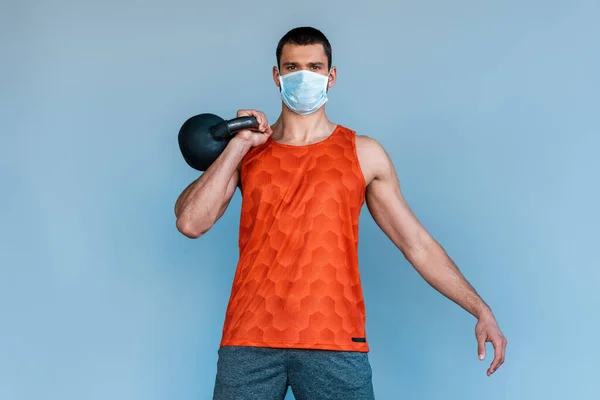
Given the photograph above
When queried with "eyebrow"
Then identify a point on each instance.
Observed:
(316, 63)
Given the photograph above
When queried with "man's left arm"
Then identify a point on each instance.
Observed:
(395, 218)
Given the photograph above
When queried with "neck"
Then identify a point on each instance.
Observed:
(302, 129)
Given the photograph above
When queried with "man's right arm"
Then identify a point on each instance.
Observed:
(205, 200)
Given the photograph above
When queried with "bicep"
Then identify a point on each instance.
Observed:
(391, 212)
(233, 183)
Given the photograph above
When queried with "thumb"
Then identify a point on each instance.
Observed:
(244, 134)
(481, 346)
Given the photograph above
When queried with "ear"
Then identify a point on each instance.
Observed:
(332, 77)
(276, 77)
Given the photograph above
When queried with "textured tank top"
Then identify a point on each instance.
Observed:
(297, 282)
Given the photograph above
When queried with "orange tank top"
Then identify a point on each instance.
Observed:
(297, 282)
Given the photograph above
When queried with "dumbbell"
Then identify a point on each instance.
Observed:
(203, 137)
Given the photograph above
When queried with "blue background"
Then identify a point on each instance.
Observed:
(489, 110)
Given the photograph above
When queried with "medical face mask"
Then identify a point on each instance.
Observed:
(304, 92)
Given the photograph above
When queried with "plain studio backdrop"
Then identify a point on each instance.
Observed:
(489, 110)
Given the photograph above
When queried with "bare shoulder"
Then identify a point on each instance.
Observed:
(374, 160)
(365, 141)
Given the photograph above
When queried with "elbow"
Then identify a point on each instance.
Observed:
(420, 252)
(190, 229)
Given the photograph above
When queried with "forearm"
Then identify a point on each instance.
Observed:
(183, 196)
(198, 207)
(437, 268)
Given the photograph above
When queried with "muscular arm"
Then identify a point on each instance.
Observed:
(395, 218)
(205, 200)
(393, 215)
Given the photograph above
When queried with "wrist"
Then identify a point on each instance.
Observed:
(240, 145)
(483, 312)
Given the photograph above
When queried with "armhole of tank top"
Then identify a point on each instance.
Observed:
(241, 168)
(243, 163)
(357, 160)
(241, 172)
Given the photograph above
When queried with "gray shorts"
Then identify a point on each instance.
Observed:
(249, 373)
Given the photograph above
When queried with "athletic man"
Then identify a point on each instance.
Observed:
(296, 316)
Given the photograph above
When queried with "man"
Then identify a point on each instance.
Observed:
(296, 316)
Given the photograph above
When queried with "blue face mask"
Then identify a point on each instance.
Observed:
(304, 92)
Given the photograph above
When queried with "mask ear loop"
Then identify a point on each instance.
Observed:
(328, 77)
(280, 80)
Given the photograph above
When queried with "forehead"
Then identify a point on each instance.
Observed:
(303, 54)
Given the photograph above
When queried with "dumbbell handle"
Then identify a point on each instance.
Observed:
(226, 129)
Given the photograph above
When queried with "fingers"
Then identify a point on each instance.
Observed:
(499, 344)
(251, 138)
(261, 118)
